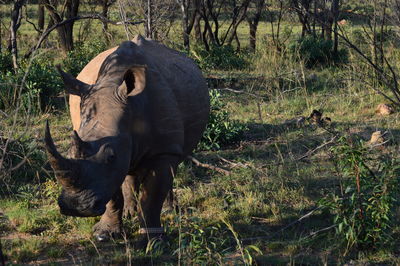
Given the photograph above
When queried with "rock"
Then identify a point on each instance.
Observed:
(342, 22)
(384, 109)
(376, 138)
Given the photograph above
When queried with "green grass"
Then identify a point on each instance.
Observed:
(268, 190)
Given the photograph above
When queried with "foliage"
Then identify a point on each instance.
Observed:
(220, 130)
(5, 63)
(218, 57)
(78, 58)
(204, 244)
(363, 210)
(317, 51)
(22, 161)
(42, 84)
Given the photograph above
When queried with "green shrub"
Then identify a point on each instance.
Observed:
(23, 160)
(42, 84)
(317, 51)
(363, 211)
(78, 58)
(5, 63)
(218, 57)
(220, 130)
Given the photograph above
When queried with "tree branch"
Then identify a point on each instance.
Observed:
(90, 16)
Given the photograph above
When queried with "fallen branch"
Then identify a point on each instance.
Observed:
(250, 239)
(309, 153)
(242, 92)
(209, 166)
(319, 231)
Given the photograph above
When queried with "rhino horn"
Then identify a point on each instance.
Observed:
(65, 169)
(73, 85)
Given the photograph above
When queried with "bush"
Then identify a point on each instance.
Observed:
(364, 210)
(78, 58)
(220, 130)
(5, 63)
(317, 51)
(41, 85)
(22, 161)
(218, 57)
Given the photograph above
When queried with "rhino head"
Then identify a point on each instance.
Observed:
(101, 150)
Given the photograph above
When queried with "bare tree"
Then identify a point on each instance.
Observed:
(41, 16)
(148, 30)
(189, 10)
(16, 16)
(105, 6)
(253, 18)
(65, 32)
(302, 8)
(211, 11)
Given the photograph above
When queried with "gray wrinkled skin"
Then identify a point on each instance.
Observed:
(130, 134)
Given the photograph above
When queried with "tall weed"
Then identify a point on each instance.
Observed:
(363, 209)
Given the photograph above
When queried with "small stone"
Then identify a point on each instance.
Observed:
(384, 109)
(376, 138)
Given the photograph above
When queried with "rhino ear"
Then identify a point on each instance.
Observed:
(72, 85)
(134, 81)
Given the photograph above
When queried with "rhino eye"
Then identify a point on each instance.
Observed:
(108, 154)
(110, 158)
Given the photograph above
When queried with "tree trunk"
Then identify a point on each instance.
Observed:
(335, 11)
(253, 24)
(185, 22)
(148, 29)
(197, 28)
(1, 39)
(253, 32)
(16, 16)
(104, 13)
(65, 32)
(41, 18)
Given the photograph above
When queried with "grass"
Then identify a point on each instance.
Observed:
(260, 198)
(250, 216)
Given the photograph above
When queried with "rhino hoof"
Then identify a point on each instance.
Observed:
(102, 237)
(103, 232)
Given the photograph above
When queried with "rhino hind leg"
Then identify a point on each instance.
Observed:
(110, 223)
(130, 191)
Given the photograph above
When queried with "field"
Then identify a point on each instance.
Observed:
(274, 197)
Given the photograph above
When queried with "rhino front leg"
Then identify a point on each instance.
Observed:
(111, 221)
(155, 187)
(130, 191)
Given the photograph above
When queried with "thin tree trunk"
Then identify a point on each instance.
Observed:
(253, 33)
(197, 28)
(149, 20)
(335, 6)
(104, 13)
(1, 39)
(41, 18)
(185, 22)
(253, 24)
(16, 16)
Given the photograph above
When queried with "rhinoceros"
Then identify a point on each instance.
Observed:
(137, 111)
